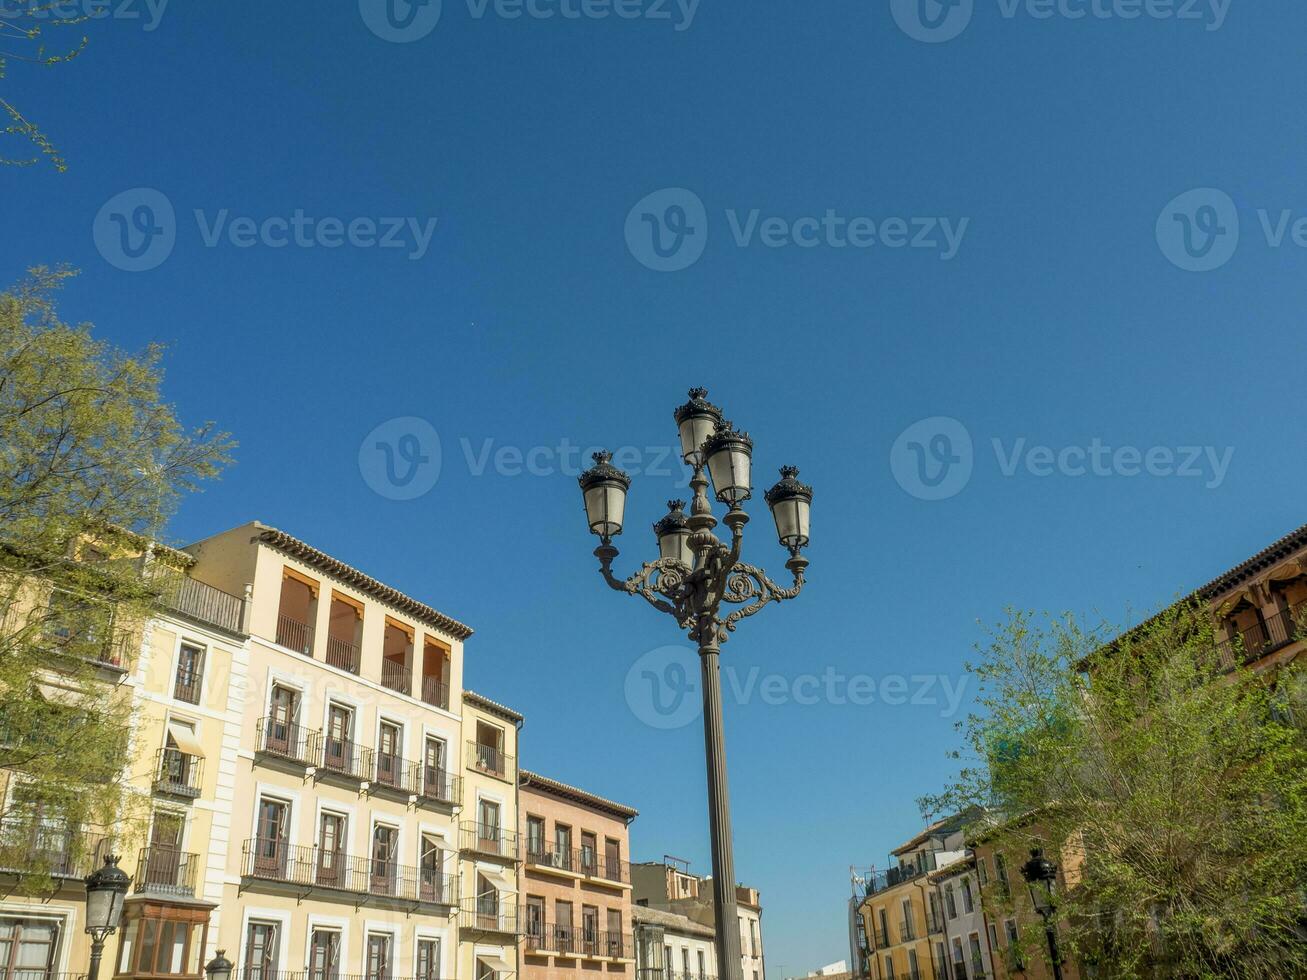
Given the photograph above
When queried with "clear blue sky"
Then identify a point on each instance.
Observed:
(529, 321)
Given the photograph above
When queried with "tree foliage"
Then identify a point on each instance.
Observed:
(1174, 792)
(92, 462)
(26, 27)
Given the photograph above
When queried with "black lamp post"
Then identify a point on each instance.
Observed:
(219, 968)
(1041, 877)
(694, 575)
(106, 888)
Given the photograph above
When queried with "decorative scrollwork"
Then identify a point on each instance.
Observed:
(749, 584)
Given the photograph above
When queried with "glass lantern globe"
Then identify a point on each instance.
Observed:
(791, 505)
(603, 488)
(730, 455)
(673, 534)
(696, 421)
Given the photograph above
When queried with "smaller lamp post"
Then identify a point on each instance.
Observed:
(105, 890)
(219, 968)
(1041, 877)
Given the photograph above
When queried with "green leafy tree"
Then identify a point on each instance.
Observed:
(1175, 794)
(26, 27)
(92, 462)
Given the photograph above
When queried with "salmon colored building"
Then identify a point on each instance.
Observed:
(576, 883)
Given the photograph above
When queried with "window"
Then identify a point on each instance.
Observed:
(179, 763)
(434, 778)
(385, 845)
(281, 736)
(331, 849)
(993, 936)
(261, 951)
(324, 954)
(563, 923)
(967, 905)
(378, 957)
(535, 837)
(913, 970)
(562, 846)
(959, 964)
(1013, 944)
(590, 928)
(168, 943)
(883, 939)
(271, 831)
(753, 937)
(339, 754)
(397, 657)
(488, 826)
(27, 947)
(389, 740)
(668, 961)
(190, 673)
(344, 632)
(982, 869)
(1000, 869)
(428, 959)
(616, 944)
(685, 962)
(889, 968)
(977, 960)
(589, 853)
(612, 859)
(431, 863)
(435, 674)
(535, 917)
(490, 749)
(905, 932)
(703, 972)
(951, 902)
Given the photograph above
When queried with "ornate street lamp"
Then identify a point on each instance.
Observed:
(1041, 877)
(219, 968)
(694, 575)
(106, 888)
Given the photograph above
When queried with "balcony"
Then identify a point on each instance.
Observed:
(187, 686)
(435, 692)
(489, 840)
(396, 775)
(313, 868)
(178, 774)
(906, 932)
(497, 914)
(551, 859)
(341, 758)
(31, 846)
(489, 759)
(166, 872)
(607, 870)
(198, 601)
(1262, 638)
(397, 676)
(439, 787)
(343, 655)
(295, 635)
(934, 923)
(286, 741)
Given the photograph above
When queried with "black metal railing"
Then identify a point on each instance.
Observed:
(316, 867)
(341, 757)
(199, 600)
(544, 855)
(439, 785)
(496, 912)
(905, 931)
(21, 974)
(397, 676)
(607, 868)
(188, 683)
(32, 845)
(435, 692)
(489, 839)
(343, 655)
(396, 773)
(166, 871)
(489, 759)
(295, 635)
(882, 938)
(178, 773)
(286, 740)
(934, 922)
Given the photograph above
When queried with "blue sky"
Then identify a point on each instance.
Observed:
(1073, 322)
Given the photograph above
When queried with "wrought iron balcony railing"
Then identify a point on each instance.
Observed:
(435, 692)
(397, 676)
(1263, 637)
(497, 913)
(178, 773)
(542, 855)
(314, 867)
(295, 635)
(166, 871)
(440, 786)
(396, 773)
(489, 759)
(286, 740)
(906, 931)
(490, 840)
(342, 757)
(199, 600)
(343, 655)
(36, 846)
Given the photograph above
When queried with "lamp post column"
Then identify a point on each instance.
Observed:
(729, 965)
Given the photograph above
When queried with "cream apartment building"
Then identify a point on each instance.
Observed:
(343, 855)
(179, 668)
(671, 946)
